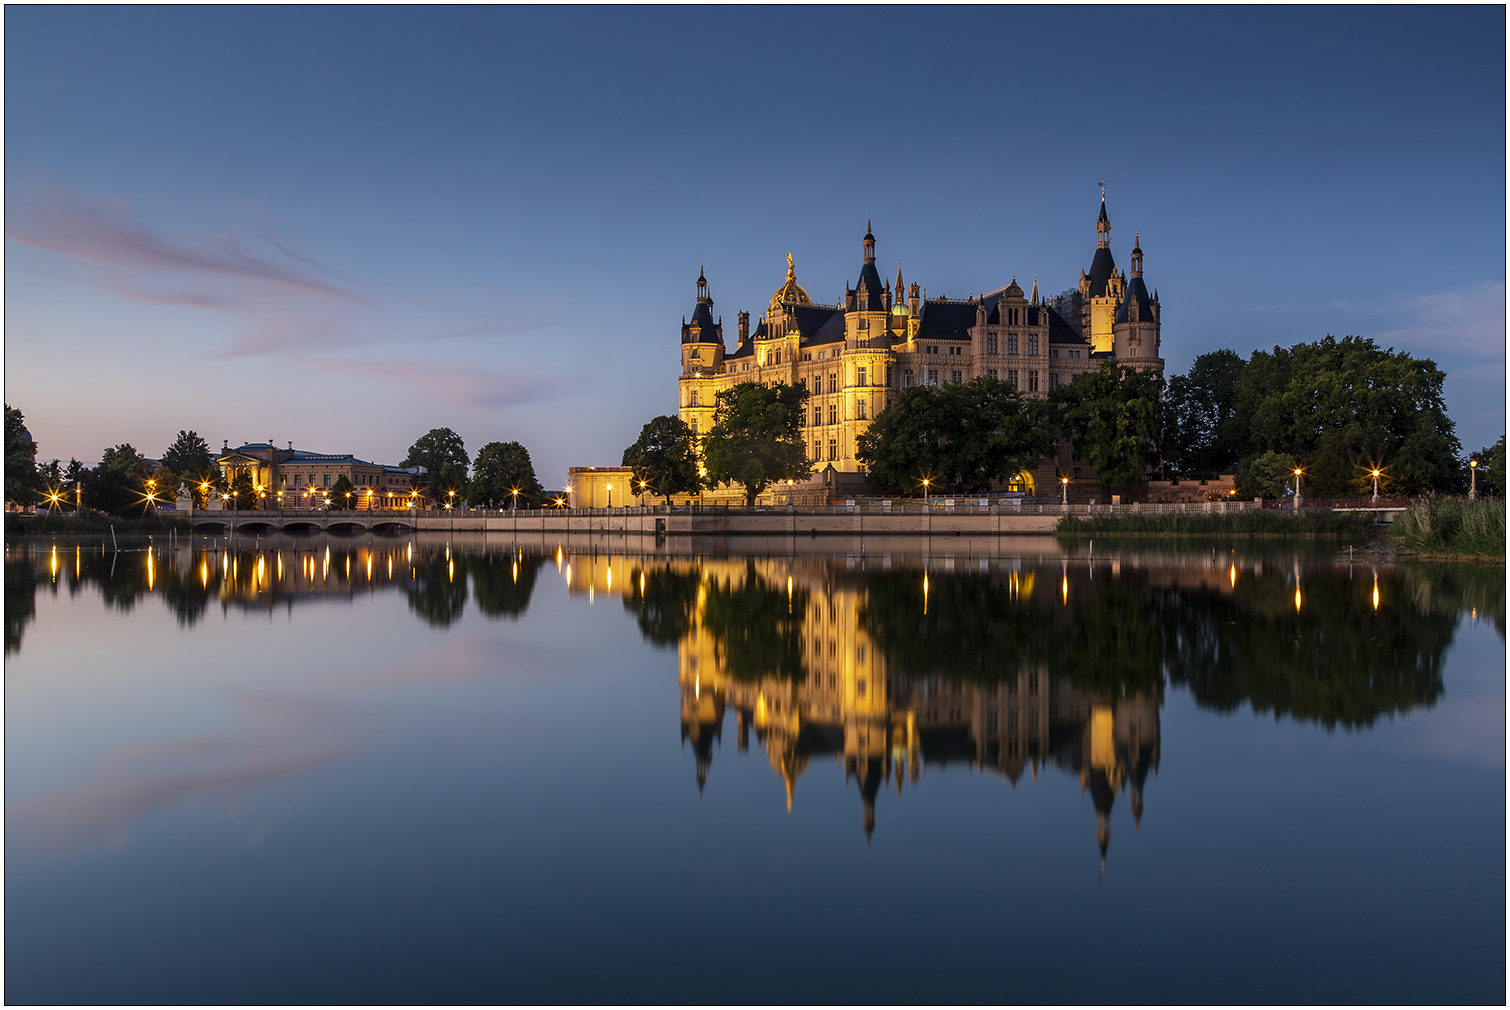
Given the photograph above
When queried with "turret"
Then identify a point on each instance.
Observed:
(1136, 325)
(702, 338)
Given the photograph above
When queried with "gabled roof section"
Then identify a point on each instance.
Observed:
(946, 320)
(1061, 332)
(831, 332)
(809, 319)
(1137, 292)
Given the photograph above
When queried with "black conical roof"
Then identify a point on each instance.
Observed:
(1136, 291)
(1102, 267)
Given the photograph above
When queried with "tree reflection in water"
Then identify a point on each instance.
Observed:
(1001, 665)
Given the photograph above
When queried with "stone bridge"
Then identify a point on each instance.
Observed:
(295, 520)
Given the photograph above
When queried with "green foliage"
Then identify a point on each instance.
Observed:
(438, 594)
(1270, 475)
(22, 483)
(444, 456)
(343, 494)
(1452, 527)
(243, 492)
(962, 437)
(1248, 523)
(189, 455)
(756, 437)
(502, 467)
(664, 457)
(1112, 416)
(1341, 407)
(1491, 476)
(1198, 412)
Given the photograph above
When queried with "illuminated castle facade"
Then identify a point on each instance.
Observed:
(854, 356)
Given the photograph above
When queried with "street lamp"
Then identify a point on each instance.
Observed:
(1298, 472)
(1375, 474)
(610, 496)
(1064, 492)
(515, 493)
(1473, 479)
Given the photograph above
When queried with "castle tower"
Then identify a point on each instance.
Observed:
(702, 360)
(1101, 289)
(1135, 328)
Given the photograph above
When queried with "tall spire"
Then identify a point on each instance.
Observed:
(870, 244)
(702, 286)
(900, 286)
(1035, 289)
(1103, 224)
(1136, 259)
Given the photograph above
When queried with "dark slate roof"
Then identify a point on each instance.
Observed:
(810, 319)
(946, 321)
(1136, 289)
(871, 279)
(703, 316)
(1103, 216)
(831, 332)
(1102, 267)
(1061, 332)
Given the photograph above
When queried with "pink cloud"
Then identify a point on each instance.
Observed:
(477, 390)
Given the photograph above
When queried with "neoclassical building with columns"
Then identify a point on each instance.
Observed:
(856, 355)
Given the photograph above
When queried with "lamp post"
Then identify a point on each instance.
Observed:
(1375, 474)
(610, 496)
(1473, 479)
(1064, 492)
(515, 493)
(1297, 488)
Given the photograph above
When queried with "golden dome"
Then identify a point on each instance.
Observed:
(791, 291)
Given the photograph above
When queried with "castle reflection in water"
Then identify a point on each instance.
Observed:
(892, 665)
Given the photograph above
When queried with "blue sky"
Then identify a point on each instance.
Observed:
(342, 227)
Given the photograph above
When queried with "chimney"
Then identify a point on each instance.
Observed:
(744, 327)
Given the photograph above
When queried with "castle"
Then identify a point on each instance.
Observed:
(855, 356)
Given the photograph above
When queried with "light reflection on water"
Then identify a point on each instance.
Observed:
(872, 671)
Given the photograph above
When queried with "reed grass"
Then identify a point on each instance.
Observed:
(1448, 527)
(1253, 523)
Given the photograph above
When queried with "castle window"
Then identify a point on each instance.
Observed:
(817, 416)
(694, 399)
(298, 479)
(860, 408)
(697, 352)
(1032, 345)
(933, 376)
(833, 382)
(1011, 343)
(283, 480)
(906, 378)
(1053, 380)
(833, 448)
(860, 376)
(990, 373)
(1053, 352)
(888, 375)
(1032, 382)
(955, 377)
(1077, 473)
(833, 413)
(1012, 377)
(863, 324)
(991, 343)
(956, 349)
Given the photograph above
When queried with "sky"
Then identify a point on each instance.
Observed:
(342, 227)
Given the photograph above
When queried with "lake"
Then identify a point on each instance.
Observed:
(1012, 769)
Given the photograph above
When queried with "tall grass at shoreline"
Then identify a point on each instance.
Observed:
(1264, 523)
(90, 521)
(1452, 528)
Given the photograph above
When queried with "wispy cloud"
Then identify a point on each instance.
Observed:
(1470, 319)
(106, 232)
(288, 303)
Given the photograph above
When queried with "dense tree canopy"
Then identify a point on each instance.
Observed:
(441, 452)
(664, 458)
(1198, 411)
(960, 437)
(1341, 407)
(1491, 469)
(189, 455)
(756, 437)
(502, 468)
(1112, 417)
(22, 484)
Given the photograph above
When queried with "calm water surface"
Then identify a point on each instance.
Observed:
(432, 770)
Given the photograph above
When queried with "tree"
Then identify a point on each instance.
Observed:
(664, 458)
(756, 437)
(342, 493)
(119, 484)
(1266, 476)
(1112, 417)
(189, 455)
(1344, 407)
(22, 485)
(1198, 412)
(1491, 476)
(500, 469)
(243, 492)
(441, 452)
(962, 437)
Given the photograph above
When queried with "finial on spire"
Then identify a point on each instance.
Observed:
(1035, 289)
(791, 270)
